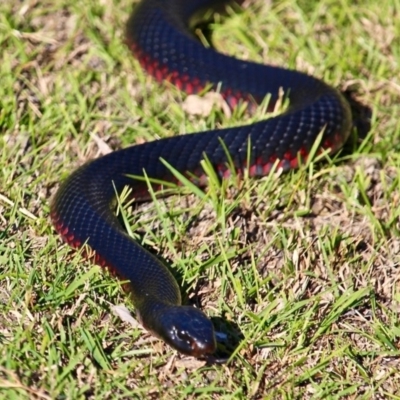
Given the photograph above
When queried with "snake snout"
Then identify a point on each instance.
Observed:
(189, 331)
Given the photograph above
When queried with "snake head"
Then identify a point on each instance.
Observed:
(185, 328)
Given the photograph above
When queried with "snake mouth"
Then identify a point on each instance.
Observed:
(196, 347)
(199, 348)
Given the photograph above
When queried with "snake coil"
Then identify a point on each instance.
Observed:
(159, 36)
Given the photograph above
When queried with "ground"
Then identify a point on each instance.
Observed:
(299, 271)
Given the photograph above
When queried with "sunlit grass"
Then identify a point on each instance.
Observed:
(298, 271)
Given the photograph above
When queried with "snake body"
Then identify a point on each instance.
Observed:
(159, 36)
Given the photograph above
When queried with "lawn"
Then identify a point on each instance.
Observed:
(300, 272)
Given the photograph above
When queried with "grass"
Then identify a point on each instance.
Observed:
(300, 272)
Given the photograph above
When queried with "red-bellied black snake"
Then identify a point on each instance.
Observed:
(159, 36)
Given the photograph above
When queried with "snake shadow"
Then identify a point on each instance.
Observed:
(362, 114)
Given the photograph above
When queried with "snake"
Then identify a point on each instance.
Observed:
(159, 34)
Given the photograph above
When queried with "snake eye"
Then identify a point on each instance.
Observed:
(184, 337)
